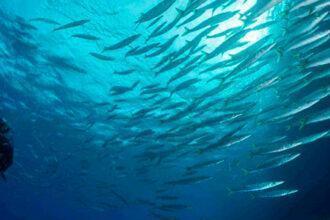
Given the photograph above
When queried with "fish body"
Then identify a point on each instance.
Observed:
(123, 43)
(156, 11)
(275, 162)
(72, 25)
(86, 37)
(278, 193)
(212, 21)
(189, 180)
(45, 20)
(259, 186)
(102, 57)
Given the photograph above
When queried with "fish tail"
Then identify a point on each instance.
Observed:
(179, 10)
(242, 17)
(147, 39)
(186, 31)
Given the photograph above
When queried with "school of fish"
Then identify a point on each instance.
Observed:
(181, 96)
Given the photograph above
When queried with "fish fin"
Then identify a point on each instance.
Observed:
(242, 17)
(213, 11)
(3, 177)
(179, 10)
(186, 31)
(205, 53)
(188, 41)
(135, 84)
(231, 56)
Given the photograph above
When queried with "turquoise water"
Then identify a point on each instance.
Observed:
(189, 109)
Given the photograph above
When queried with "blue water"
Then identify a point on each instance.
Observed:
(80, 151)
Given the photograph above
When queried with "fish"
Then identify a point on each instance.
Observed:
(124, 72)
(141, 50)
(156, 11)
(309, 40)
(317, 118)
(191, 7)
(123, 43)
(163, 47)
(203, 164)
(63, 63)
(197, 13)
(274, 162)
(213, 20)
(252, 59)
(184, 85)
(224, 140)
(86, 37)
(72, 25)
(259, 8)
(309, 101)
(189, 180)
(256, 187)
(222, 48)
(155, 21)
(180, 74)
(171, 65)
(119, 90)
(303, 4)
(102, 57)
(228, 32)
(45, 20)
(166, 27)
(278, 193)
(302, 141)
